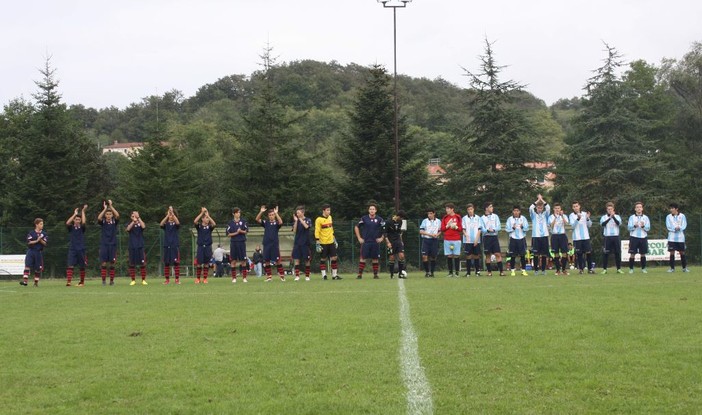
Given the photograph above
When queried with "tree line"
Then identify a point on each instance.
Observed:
(308, 132)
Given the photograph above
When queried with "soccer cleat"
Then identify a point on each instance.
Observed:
(590, 271)
(502, 274)
(36, 283)
(686, 270)
(619, 271)
(477, 273)
(336, 277)
(431, 275)
(68, 284)
(324, 277)
(104, 282)
(133, 282)
(566, 273)
(296, 279)
(543, 272)
(631, 270)
(525, 274)
(604, 271)
(282, 279)
(197, 280)
(112, 283)
(269, 279)
(24, 283)
(358, 277)
(307, 278)
(580, 272)
(489, 274)
(166, 282)
(376, 277)
(204, 280)
(644, 270)
(467, 275)
(245, 280)
(177, 281)
(512, 273)
(392, 276)
(81, 284)
(143, 282)
(671, 270)
(233, 280)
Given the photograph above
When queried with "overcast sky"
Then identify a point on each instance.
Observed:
(116, 52)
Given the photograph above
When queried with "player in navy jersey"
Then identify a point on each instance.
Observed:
(369, 232)
(137, 256)
(204, 225)
(171, 245)
(108, 219)
(76, 247)
(396, 247)
(236, 231)
(34, 260)
(271, 244)
(301, 247)
(430, 230)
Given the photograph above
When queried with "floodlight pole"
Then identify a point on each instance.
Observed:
(395, 108)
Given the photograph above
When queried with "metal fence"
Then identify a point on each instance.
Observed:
(12, 241)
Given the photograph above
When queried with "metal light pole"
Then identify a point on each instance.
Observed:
(394, 7)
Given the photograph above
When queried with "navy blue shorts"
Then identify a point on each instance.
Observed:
(583, 246)
(237, 250)
(108, 253)
(34, 260)
(430, 247)
(397, 247)
(137, 256)
(301, 252)
(171, 255)
(77, 257)
(612, 245)
(370, 250)
(204, 254)
(559, 243)
(517, 247)
(676, 246)
(539, 246)
(472, 249)
(491, 244)
(271, 253)
(638, 245)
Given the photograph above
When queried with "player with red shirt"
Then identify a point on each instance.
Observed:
(452, 228)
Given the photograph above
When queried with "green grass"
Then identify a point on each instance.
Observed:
(578, 344)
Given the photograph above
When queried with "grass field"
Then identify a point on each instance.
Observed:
(555, 345)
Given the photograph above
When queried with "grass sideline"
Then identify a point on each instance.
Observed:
(577, 345)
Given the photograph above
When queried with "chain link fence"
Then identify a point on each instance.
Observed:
(12, 241)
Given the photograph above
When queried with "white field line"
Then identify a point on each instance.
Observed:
(418, 389)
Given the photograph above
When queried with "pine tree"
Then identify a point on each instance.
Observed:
(489, 163)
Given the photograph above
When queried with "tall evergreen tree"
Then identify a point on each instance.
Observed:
(56, 167)
(490, 162)
(367, 156)
(609, 156)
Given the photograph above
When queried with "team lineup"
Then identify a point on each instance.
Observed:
(475, 235)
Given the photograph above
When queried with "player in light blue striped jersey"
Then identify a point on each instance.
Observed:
(559, 239)
(540, 212)
(517, 226)
(638, 225)
(580, 221)
(610, 223)
(471, 239)
(676, 224)
(490, 225)
(430, 230)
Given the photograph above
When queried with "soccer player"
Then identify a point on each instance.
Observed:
(490, 226)
(369, 232)
(676, 222)
(171, 245)
(638, 225)
(76, 249)
(610, 223)
(271, 245)
(204, 225)
(301, 246)
(517, 226)
(326, 243)
(34, 259)
(108, 219)
(236, 231)
(580, 221)
(430, 230)
(396, 247)
(540, 212)
(135, 229)
(559, 239)
(471, 239)
(452, 228)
